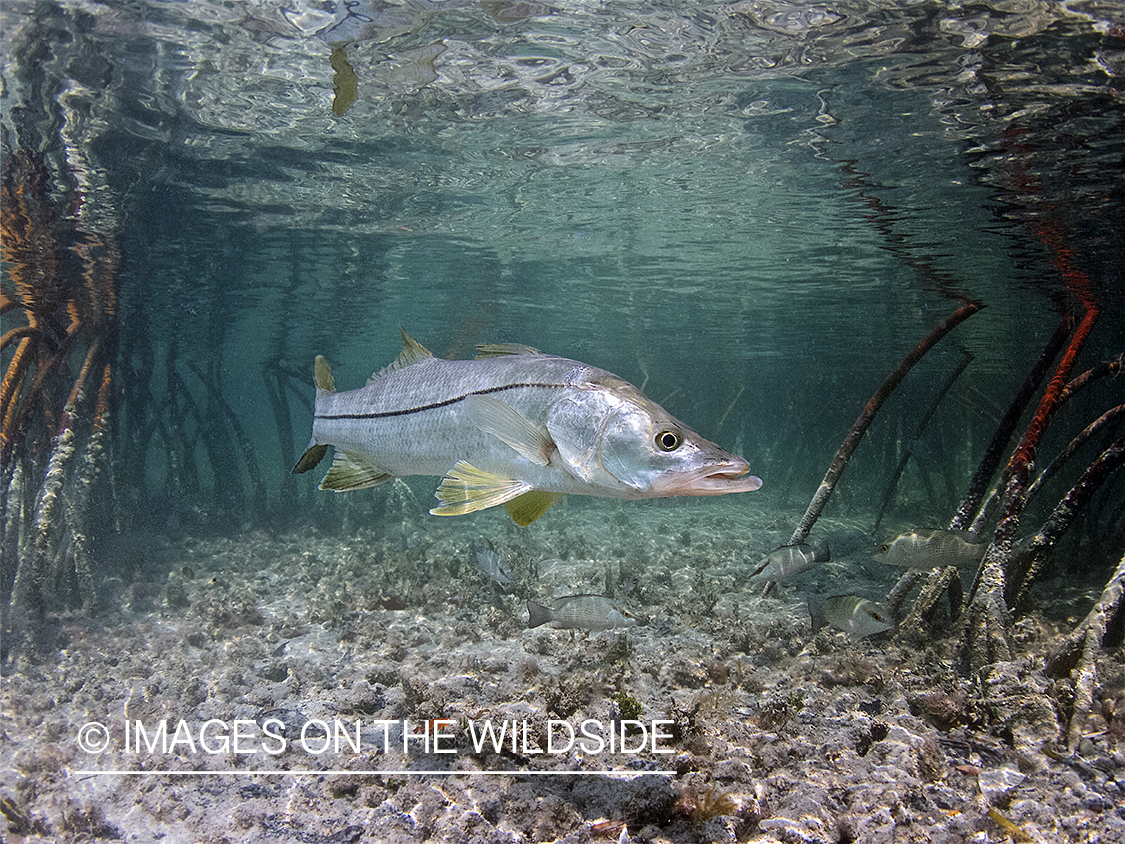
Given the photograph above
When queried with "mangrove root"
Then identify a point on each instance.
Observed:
(1079, 652)
(851, 441)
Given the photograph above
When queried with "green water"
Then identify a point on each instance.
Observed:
(753, 210)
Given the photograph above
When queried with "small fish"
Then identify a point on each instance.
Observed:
(513, 427)
(858, 617)
(788, 560)
(494, 565)
(579, 612)
(924, 549)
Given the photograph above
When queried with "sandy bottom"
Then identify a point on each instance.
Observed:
(288, 688)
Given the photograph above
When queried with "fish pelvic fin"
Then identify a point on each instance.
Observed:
(511, 427)
(467, 489)
(525, 509)
(412, 352)
(322, 376)
(351, 471)
(313, 455)
(537, 614)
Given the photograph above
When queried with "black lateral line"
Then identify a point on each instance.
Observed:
(438, 404)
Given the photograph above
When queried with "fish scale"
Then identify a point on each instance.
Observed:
(414, 421)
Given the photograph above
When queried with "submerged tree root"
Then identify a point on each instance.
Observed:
(852, 440)
(994, 453)
(908, 446)
(1078, 655)
(943, 581)
(1104, 421)
(1015, 568)
(1009, 568)
(984, 638)
(1026, 564)
(52, 430)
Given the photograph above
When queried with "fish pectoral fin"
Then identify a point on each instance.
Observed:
(510, 427)
(313, 455)
(352, 471)
(525, 509)
(467, 489)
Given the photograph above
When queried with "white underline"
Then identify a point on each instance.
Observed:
(412, 773)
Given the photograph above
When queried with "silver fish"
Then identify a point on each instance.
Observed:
(494, 565)
(858, 617)
(579, 612)
(788, 560)
(513, 427)
(924, 549)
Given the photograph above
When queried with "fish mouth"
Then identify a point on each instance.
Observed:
(715, 479)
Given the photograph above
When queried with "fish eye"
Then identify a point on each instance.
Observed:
(668, 440)
(877, 616)
(884, 548)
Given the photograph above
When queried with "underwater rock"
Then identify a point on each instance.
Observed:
(997, 784)
(877, 827)
(931, 760)
(803, 818)
(1015, 695)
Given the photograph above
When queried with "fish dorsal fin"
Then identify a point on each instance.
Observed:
(412, 352)
(352, 471)
(467, 489)
(498, 350)
(526, 508)
(322, 376)
(510, 427)
(971, 537)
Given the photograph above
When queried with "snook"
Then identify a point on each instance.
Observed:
(513, 427)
